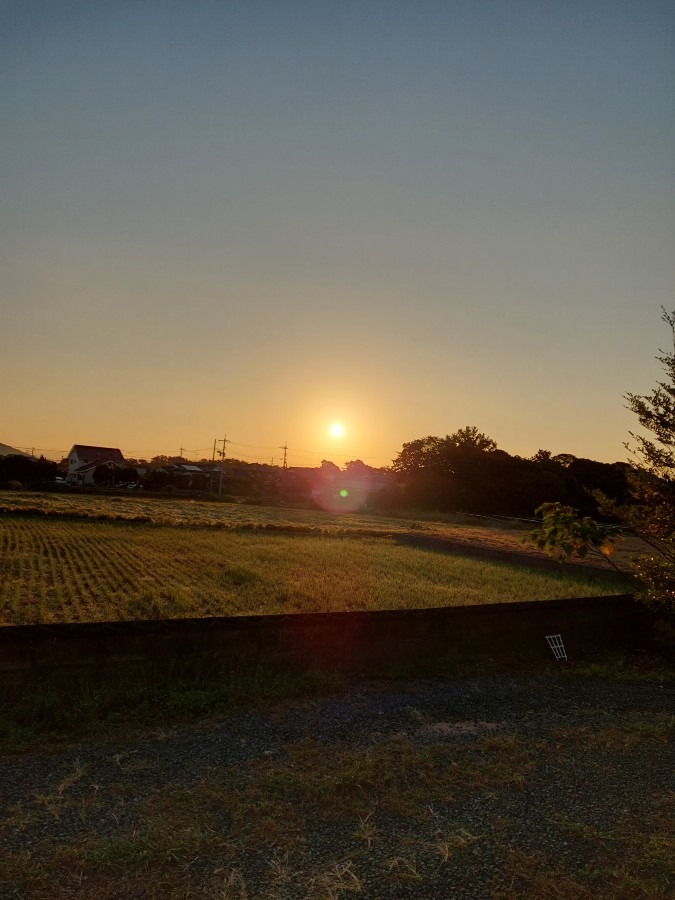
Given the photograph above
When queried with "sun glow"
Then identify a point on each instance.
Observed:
(336, 429)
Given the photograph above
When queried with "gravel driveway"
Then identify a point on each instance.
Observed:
(532, 786)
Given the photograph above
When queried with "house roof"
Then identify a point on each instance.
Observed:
(88, 467)
(6, 450)
(97, 454)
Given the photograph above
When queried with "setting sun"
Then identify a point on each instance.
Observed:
(336, 429)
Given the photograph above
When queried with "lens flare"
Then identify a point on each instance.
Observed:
(342, 493)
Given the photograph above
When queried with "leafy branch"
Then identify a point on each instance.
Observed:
(565, 535)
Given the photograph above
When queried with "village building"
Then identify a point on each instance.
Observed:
(83, 460)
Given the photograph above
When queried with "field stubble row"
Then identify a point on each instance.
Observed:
(65, 570)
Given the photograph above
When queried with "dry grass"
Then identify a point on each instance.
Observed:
(633, 858)
(63, 570)
(226, 817)
(251, 834)
(502, 534)
(498, 534)
(171, 511)
(625, 737)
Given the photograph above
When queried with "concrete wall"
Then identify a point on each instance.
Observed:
(358, 642)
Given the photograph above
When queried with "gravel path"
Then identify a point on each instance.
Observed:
(551, 775)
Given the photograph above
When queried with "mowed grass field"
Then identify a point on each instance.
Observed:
(84, 570)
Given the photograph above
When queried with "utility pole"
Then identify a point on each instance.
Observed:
(284, 472)
(222, 462)
(213, 459)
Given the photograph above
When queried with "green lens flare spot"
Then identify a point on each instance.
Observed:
(344, 493)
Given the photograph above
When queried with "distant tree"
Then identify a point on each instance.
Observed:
(104, 474)
(466, 471)
(440, 455)
(608, 478)
(457, 472)
(110, 474)
(387, 500)
(470, 438)
(27, 469)
(421, 454)
(156, 479)
(565, 459)
(358, 467)
(532, 482)
(163, 460)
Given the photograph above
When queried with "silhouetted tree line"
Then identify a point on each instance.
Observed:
(26, 469)
(461, 472)
(467, 472)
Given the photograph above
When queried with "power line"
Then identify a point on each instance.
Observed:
(262, 456)
(261, 446)
(40, 449)
(341, 453)
(314, 452)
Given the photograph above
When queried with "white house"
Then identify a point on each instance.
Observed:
(83, 460)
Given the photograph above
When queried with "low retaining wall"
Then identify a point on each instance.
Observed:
(351, 642)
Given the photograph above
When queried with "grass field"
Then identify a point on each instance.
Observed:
(70, 570)
(498, 534)
(242, 516)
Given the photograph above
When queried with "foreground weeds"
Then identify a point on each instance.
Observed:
(63, 710)
(313, 825)
(438, 806)
(45, 714)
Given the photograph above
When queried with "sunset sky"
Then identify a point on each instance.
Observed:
(260, 218)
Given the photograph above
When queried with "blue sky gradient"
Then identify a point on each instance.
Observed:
(256, 218)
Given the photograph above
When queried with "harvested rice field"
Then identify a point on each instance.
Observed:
(55, 569)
